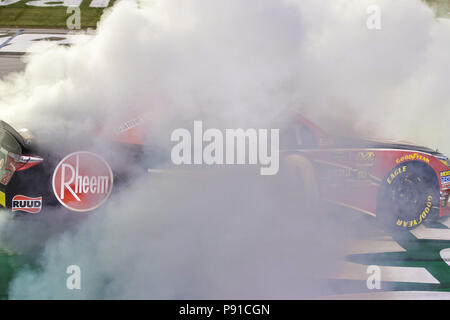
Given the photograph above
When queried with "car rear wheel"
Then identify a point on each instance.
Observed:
(408, 196)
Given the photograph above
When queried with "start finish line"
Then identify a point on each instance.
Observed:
(61, 3)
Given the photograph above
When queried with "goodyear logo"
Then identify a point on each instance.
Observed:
(419, 220)
(414, 156)
(445, 177)
(395, 173)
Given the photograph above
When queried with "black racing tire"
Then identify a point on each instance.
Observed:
(408, 196)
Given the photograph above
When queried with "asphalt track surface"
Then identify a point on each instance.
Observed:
(413, 265)
(10, 63)
(13, 62)
(11, 56)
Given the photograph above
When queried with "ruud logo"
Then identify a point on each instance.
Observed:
(27, 204)
(82, 181)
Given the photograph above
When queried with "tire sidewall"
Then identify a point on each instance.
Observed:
(389, 211)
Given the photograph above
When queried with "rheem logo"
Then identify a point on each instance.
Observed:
(82, 181)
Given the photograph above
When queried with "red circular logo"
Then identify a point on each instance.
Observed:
(82, 181)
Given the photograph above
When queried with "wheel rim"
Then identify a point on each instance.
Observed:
(409, 194)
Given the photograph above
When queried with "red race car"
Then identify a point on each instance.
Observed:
(402, 185)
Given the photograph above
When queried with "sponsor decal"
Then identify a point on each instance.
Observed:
(410, 157)
(445, 177)
(422, 217)
(395, 173)
(7, 172)
(353, 174)
(27, 204)
(339, 156)
(129, 125)
(6, 177)
(365, 158)
(2, 199)
(82, 181)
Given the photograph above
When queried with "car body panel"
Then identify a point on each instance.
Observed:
(350, 172)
